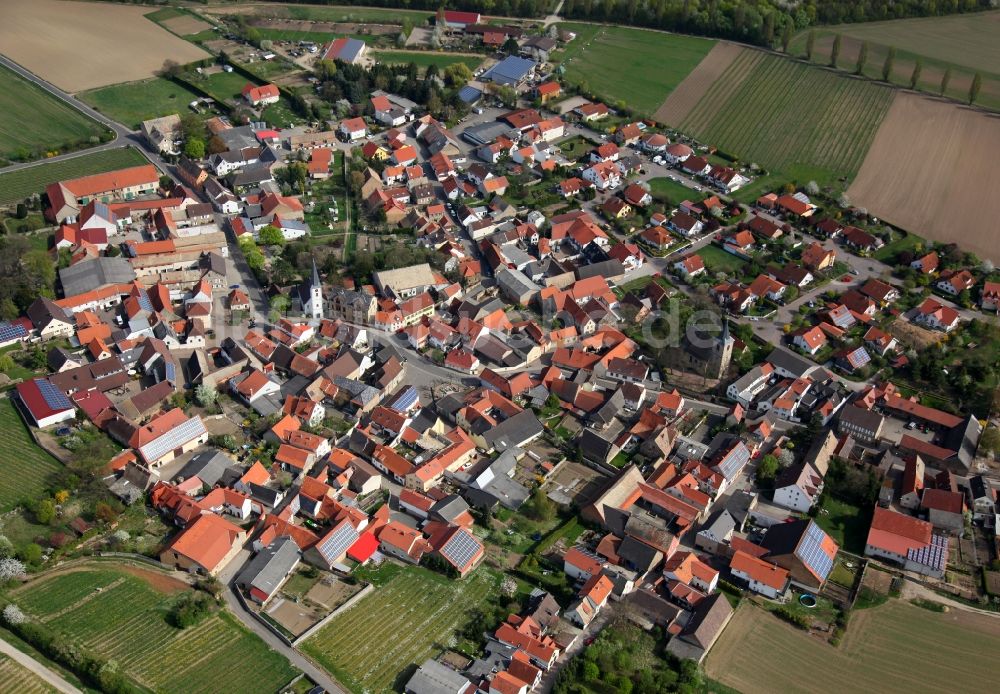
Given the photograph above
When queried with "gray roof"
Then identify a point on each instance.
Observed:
(515, 284)
(88, 275)
(435, 678)
(720, 525)
(268, 569)
(786, 359)
(208, 466)
(514, 431)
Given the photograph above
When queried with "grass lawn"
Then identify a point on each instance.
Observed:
(126, 622)
(425, 59)
(895, 648)
(17, 185)
(575, 147)
(133, 102)
(817, 126)
(674, 192)
(280, 115)
(25, 467)
(223, 86)
(35, 122)
(342, 14)
(718, 260)
(845, 523)
(375, 646)
(908, 242)
(638, 67)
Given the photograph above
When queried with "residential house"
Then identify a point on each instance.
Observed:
(761, 576)
(907, 542)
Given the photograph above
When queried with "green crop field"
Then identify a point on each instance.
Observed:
(18, 185)
(126, 622)
(785, 116)
(33, 122)
(895, 648)
(335, 14)
(401, 623)
(638, 67)
(425, 59)
(17, 678)
(133, 102)
(25, 467)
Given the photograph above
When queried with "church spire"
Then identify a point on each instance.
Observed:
(315, 277)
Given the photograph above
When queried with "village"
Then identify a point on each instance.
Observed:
(531, 351)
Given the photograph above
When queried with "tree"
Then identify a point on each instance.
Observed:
(6, 363)
(918, 67)
(862, 58)
(12, 614)
(294, 175)
(216, 145)
(890, 59)
(206, 394)
(768, 468)
(990, 440)
(835, 51)
(31, 554)
(457, 74)
(171, 69)
(977, 83)
(194, 148)
(810, 44)
(591, 672)
(786, 37)
(510, 46)
(507, 95)
(11, 568)
(190, 608)
(271, 235)
(44, 511)
(540, 506)
(945, 79)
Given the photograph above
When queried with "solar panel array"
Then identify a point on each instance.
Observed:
(175, 438)
(934, 555)
(811, 552)
(406, 400)
(461, 548)
(338, 542)
(54, 398)
(11, 331)
(144, 303)
(734, 461)
(860, 357)
(170, 372)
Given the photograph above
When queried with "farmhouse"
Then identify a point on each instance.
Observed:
(804, 549)
(67, 198)
(265, 574)
(908, 542)
(346, 50)
(261, 96)
(45, 404)
(760, 576)
(163, 134)
(205, 546)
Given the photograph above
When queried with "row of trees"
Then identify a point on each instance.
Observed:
(888, 65)
(762, 22)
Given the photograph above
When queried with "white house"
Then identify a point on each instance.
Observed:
(760, 576)
(604, 175)
(353, 129)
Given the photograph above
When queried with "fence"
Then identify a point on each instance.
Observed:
(323, 622)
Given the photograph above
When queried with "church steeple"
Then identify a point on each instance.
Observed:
(315, 277)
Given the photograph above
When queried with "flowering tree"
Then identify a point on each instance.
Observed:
(11, 568)
(12, 614)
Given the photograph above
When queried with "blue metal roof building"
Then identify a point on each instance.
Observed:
(511, 70)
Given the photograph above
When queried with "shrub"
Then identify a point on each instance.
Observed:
(189, 609)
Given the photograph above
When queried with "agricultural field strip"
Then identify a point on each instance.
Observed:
(434, 615)
(848, 114)
(118, 626)
(17, 185)
(14, 677)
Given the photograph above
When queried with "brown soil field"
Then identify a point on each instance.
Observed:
(186, 24)
(71, 43)
(893, 648)
(932, 170)
(689, 92)
(156, 579)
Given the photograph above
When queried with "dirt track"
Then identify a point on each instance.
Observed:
(82, 45)
(690, 91)
(932, 170)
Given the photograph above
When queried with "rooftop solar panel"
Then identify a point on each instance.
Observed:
(734, 461)
(175, 438)
(11, 331)
(144, 303)
(338, 541)
(461, 548)
(811, 552)
(53, 397)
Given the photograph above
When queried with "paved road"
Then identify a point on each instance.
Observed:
(51, 678)
(318, 675)
(124, 136)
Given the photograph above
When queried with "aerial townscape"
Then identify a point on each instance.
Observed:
(506, 347)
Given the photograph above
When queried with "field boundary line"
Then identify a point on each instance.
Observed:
(323, 622)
